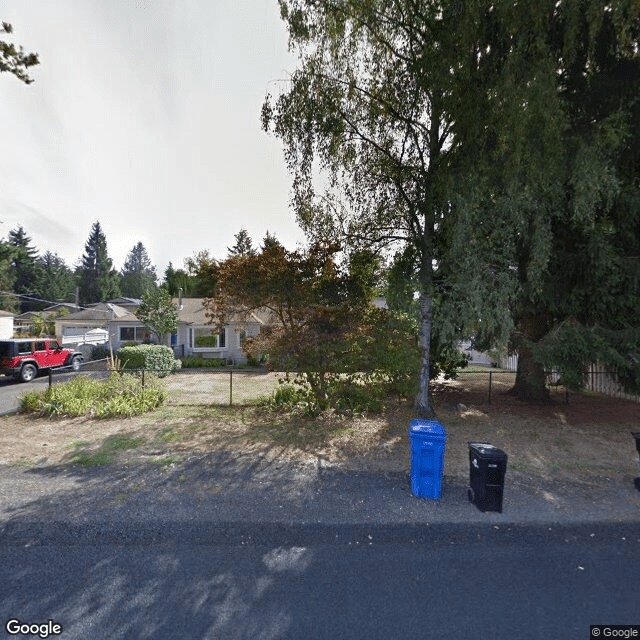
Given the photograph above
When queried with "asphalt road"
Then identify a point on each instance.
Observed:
(11, 390)
(226, 580)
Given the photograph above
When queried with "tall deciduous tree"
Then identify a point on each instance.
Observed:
(138, 274)
(202, 269)
(98, 281)
(13, 59)
(376, 104)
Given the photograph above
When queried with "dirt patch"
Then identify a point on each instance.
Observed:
(585, 441)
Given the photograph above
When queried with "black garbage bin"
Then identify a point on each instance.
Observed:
(487, 468)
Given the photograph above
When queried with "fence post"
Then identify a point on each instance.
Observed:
(143, 378)
(50, 378)
(230, 387)
(490, 375)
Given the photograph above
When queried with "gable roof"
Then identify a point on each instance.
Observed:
(102, 312)
(192, 312)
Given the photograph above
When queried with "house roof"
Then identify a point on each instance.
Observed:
(130, 302)
(192, 312)
(101, 312)
(6, 314)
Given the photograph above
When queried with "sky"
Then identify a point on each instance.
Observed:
(144, 116)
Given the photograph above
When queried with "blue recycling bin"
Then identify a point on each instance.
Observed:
(427, 438)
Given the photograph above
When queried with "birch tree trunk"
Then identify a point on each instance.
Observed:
(423, 406)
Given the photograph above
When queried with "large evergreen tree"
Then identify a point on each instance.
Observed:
(243, 245)
(558, 154)
(176, 280)
(58, 283)
(98, 281)
(27, 270)
(8, 302)
(138, 274)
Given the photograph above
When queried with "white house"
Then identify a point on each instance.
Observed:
(195, 335)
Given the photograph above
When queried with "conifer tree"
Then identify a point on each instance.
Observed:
(98, 281)
(243, 245)
(138, 274)
(13, 59)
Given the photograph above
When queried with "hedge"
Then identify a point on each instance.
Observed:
(150, 357)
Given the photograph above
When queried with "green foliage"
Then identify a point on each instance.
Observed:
(178, 281)
(97, 279)
(357, 396)
(57, 280)
(138, 274)
(149, 357)
(206, 341)
(13, 59)
(100, 353)
(158, 313)
(571, 347)
(243, 245)
(290, 395)
(120, 395)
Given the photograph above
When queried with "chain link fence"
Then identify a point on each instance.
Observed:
(246, 386)
(226, 387)
(190, 386)
(489, 385)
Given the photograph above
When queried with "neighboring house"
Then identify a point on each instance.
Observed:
(6, 325)
(509, 362)
(23, 322)
(121, 325)
(130, 304)
(195, 335)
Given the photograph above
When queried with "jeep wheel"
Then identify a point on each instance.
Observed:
(28, 372)
(76, 361)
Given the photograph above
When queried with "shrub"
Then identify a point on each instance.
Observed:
(120, 395)
(355, 397)
(150, 357)
(100, 353)
(289, 395)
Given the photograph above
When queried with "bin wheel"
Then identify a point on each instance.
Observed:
(471, 495)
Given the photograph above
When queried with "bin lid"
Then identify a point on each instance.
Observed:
(431, 428)
(486, 450)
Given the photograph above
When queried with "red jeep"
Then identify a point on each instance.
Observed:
(24, 359)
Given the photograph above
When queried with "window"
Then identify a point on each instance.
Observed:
(207, 338)
(134, 334)
(24, 347)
